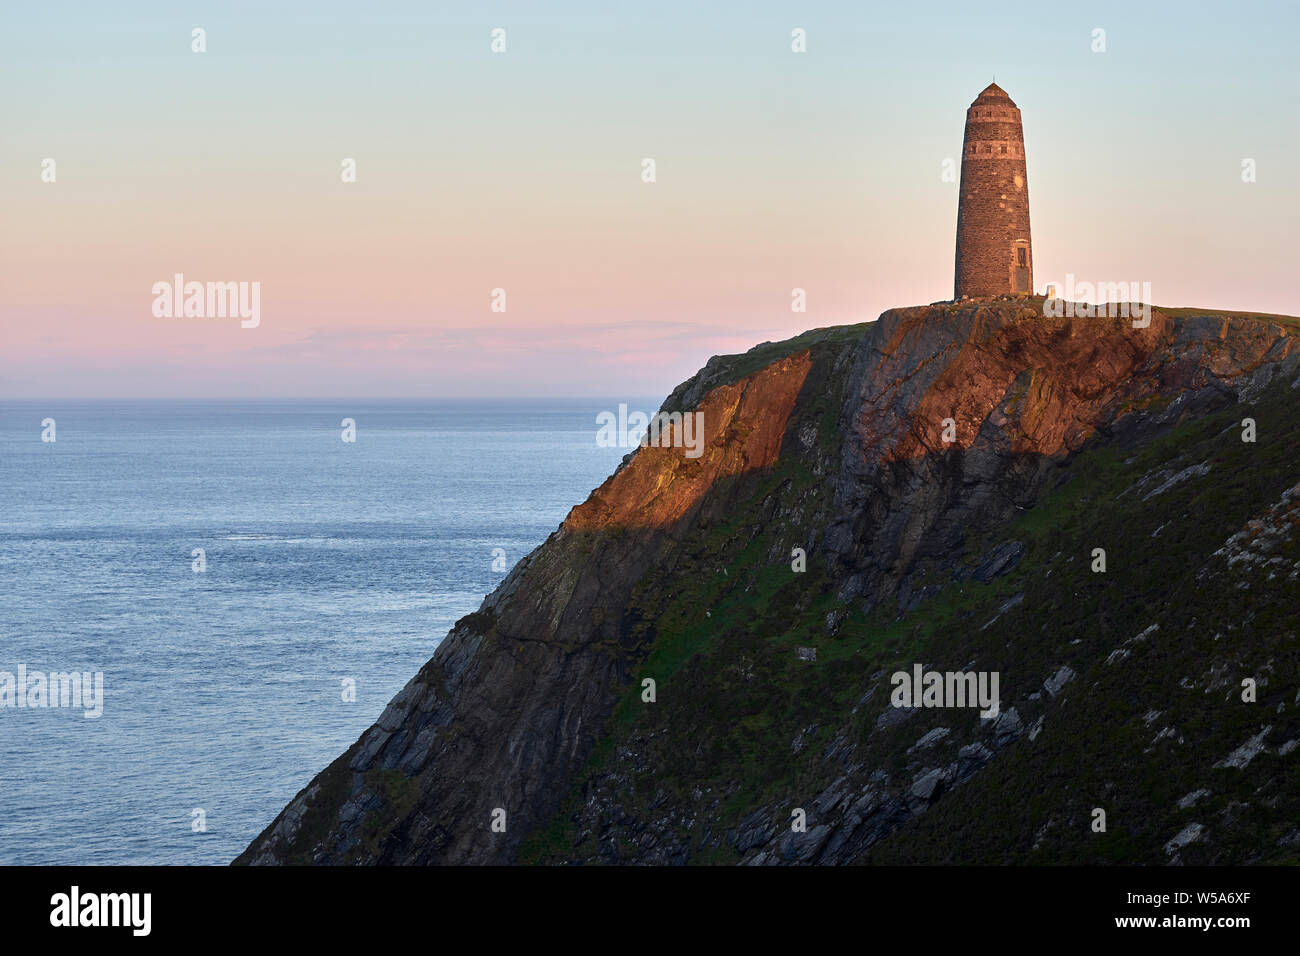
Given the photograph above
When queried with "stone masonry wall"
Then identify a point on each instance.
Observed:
(993, 208)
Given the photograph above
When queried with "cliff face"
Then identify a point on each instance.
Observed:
(946, 473)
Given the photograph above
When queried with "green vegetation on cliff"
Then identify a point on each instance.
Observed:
(931, 489)
(741, 724)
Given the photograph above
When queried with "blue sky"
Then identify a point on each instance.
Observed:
(775, 170)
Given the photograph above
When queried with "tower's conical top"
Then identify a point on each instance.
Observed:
(993, 94)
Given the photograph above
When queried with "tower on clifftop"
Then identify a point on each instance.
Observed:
(994, 254)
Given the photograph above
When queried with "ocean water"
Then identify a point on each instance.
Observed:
(326, 561)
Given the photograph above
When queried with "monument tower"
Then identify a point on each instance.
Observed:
(994, 254)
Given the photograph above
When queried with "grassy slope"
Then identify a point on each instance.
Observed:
(1097, 750)
(733, 696)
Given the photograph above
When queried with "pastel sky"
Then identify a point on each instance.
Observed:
(523, 170)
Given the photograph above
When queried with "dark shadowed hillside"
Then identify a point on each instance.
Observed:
(949, 473)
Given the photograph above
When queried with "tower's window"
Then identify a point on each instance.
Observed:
(1004, 149)
(1022, 259)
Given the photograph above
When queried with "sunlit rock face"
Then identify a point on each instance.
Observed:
(896, 456)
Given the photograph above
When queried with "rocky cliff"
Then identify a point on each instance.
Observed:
(931, 488)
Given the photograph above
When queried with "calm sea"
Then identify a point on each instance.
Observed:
(326, 562)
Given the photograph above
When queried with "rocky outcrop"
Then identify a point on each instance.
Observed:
(511, 702)
(1016, 395)
(885, 451)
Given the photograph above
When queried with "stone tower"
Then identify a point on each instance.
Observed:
(994, 254)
